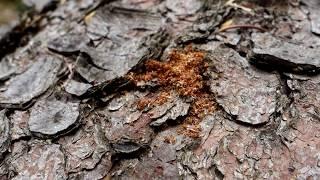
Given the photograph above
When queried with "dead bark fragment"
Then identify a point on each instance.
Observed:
(100, 171)
(157, 164)
(105, 23)
(68, 43)
(9, 164)
(19, 123)
(138, 4)
(6, 69)
(184, 8)
(128, 42)
(90, 72)
(86, 148)
(284, 56)
(32, 83)
(41, 162)
(155, 168)
(301, 132)
(248, 95)
(4, 133)
(313, 6)
(51, 118)
(199, 161)
(126, 128)
(177, 108)
(77, 88)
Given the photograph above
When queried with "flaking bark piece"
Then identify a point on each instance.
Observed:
(313, 6)
(77, 88)
(4, 133)
(248, 95)
(85, 149)
(51, 118)
(90, 72)
(184, 7)
(125, 127)
(300, 129)
(146, 168)
(41, 162)
(199, 160)
(120, 24)
(137, 4)
(129, 37)
(126, 146)
(178, 109)
(32, 83)
(117, 60)
(68, 43)
(6, 69)
(278, 54)
(161, 160)
(19, 125)
(99, 172)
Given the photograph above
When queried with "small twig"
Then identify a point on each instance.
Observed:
(246, 26)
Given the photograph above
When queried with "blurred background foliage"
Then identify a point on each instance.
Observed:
(10, 10)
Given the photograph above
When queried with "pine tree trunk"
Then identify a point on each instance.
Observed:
(161, 89)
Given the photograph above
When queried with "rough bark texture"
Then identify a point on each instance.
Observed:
(161, 89)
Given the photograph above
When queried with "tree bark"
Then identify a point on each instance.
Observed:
(161, 89)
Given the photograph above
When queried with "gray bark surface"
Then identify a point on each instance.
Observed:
(161, 89)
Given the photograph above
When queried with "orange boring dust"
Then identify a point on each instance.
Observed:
(182, 72)
(159, 99)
